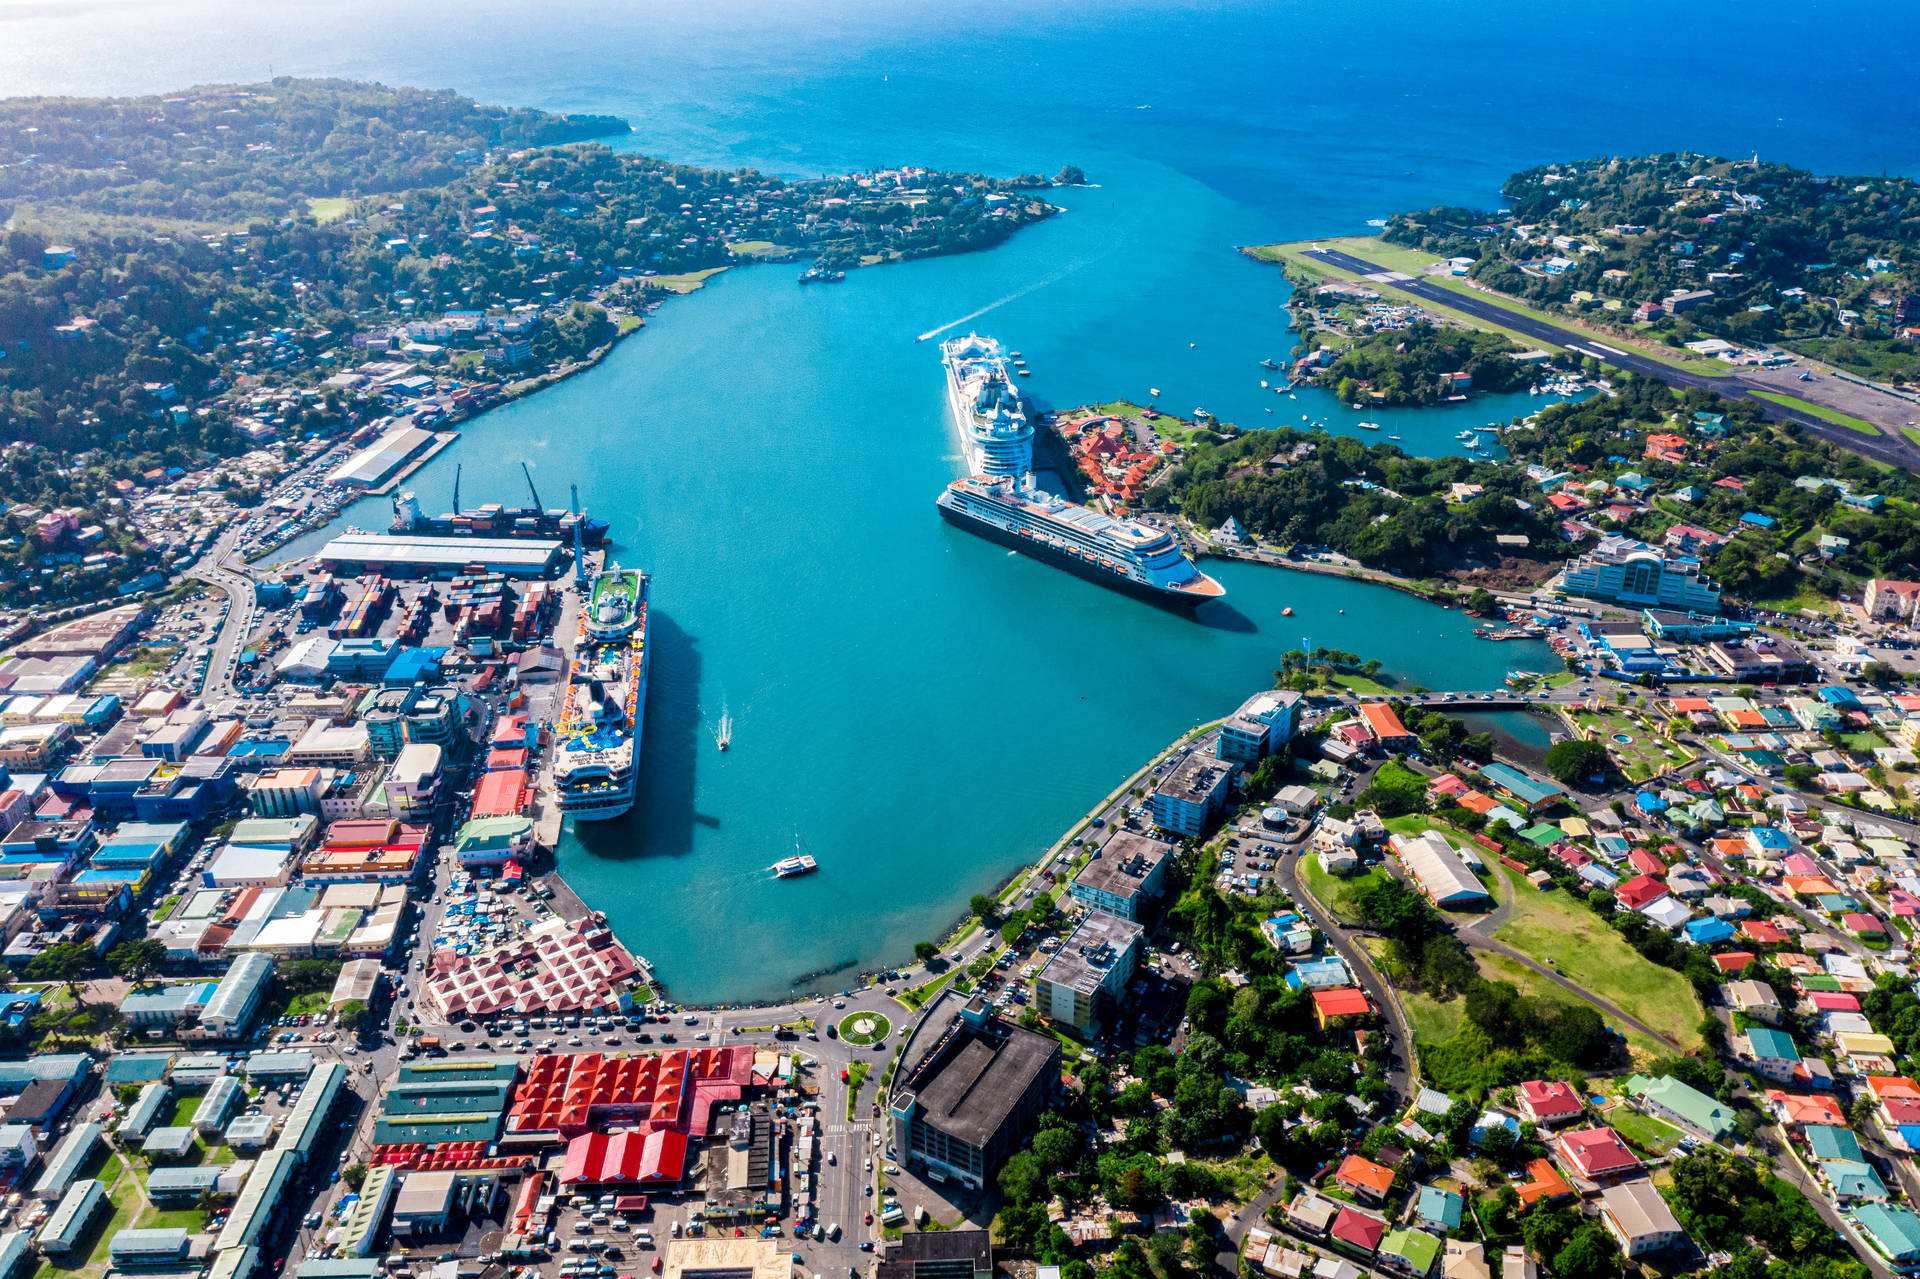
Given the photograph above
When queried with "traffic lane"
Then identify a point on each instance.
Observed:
(1880, 447)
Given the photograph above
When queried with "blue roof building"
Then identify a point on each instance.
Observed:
(1894, 1233)
(1514, 786)
(1438, 1209)
(1704, 932)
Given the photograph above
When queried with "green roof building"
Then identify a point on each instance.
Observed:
(1893, 1231)
(1672, 1100)
(1413, 1251)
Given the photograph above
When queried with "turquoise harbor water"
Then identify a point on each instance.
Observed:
(926, 710)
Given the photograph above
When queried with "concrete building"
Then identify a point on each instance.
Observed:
(413, 784)
(1263, 724)
(965, 1102)
(1889, 600)
(1191, 798)
(1637, 1216)
(938, 1254)
(1125, 877)
(1084, 980)
(1621, 570)
(444, 557)
(231, 1011)
(1438, 869)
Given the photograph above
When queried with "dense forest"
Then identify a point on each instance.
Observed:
(1376, 504)
(1828, 265)
(230, 153)
(1410, 366)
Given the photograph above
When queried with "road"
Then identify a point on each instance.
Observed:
(1894, 450)
(242, 614)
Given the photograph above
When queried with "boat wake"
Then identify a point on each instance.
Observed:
(1015, 296)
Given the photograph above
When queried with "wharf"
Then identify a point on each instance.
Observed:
(441, 439)
(544, 704)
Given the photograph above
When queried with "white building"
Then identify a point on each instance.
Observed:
(1625, 571)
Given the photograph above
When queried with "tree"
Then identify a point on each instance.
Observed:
(924, 951)
(982, 905)
(1481, 602)
(1589, 1254)
(1572, 762)
(1022, 1180)
(1879, 674)
(354, 1175)
(354, 1015)
(137, 960)
(67, 963)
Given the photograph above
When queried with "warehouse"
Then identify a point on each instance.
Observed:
(68, 1222)
(373, 464)
(408, 556)
(1437, 868)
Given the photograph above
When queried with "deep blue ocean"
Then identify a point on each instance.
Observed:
(925, 710)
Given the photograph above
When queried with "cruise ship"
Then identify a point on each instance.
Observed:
(597, 733)
(996, 428)
(1144, 562)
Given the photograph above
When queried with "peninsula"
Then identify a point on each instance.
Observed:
(215, 289)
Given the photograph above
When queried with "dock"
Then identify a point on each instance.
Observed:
(543, 704)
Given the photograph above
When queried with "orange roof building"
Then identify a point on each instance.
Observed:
(1383, 725)
(1364, 1177)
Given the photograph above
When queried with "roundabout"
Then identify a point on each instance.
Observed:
(864, 1029)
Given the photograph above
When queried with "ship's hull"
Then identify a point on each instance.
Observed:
(1047, 553)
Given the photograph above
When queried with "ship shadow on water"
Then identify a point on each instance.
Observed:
(1222, 616)
(663, 817)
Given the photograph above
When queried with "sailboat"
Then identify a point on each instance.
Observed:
(798, 864)
(723, 736)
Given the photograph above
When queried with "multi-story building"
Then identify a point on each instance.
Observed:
(1889, 599)
(413, 784)
(1192, 796)
(1624, 571)
(939, 1254)
(1082, 981)
(1264, 723)
(963, 1104)
(238, 997)
(1125, 876)
(287, 792)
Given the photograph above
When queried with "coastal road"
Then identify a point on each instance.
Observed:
(1894, 450)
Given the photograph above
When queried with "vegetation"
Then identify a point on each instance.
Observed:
(1574, 761)
(1727, 1204)
(1373, 503)
(1410, 366)
(1789, 252)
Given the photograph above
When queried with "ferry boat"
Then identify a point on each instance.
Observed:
(1143, 562)
(597, 732)
(995, 425)
(723, 736)
(799, 864)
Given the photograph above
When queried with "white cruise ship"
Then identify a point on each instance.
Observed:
(1142, 561)
(996, 428)
(597, 733)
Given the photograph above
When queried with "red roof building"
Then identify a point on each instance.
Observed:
(1357, 1230)
(1759, 930)
(1733, 961)
(1549, 1102)
(506, 757)
(1646, 863)
(625, 1158)
(1383, 725)
(501, 794)
(1640, 892)
(1834, 1001)
(1543, 1182)
(1344, 1001)
(1798, 1110)
(1598, 1154)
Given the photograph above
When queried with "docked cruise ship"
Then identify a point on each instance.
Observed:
(996, 428)
(597, 733)
(1142, 561)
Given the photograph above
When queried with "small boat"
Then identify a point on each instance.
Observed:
(1287, 611)
(1201, 415)
(1154, 391)
(800, 864)
(1263, 384)
(1393, 437)
(1268, 363)
(1369, 426)
(723, 736)
(1025, 372)
(1015, 354)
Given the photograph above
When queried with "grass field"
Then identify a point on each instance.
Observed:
(628, 323)
(1361, 685)
(685, 283)
(1551, 930)
(1528, 982)
(1820, 411)
(1641, 758)
(328, 207)
(1334, 891)
(1413, 262)
(755, 248)
(1654, 1136)
(90, 1257)
(1911, 433)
